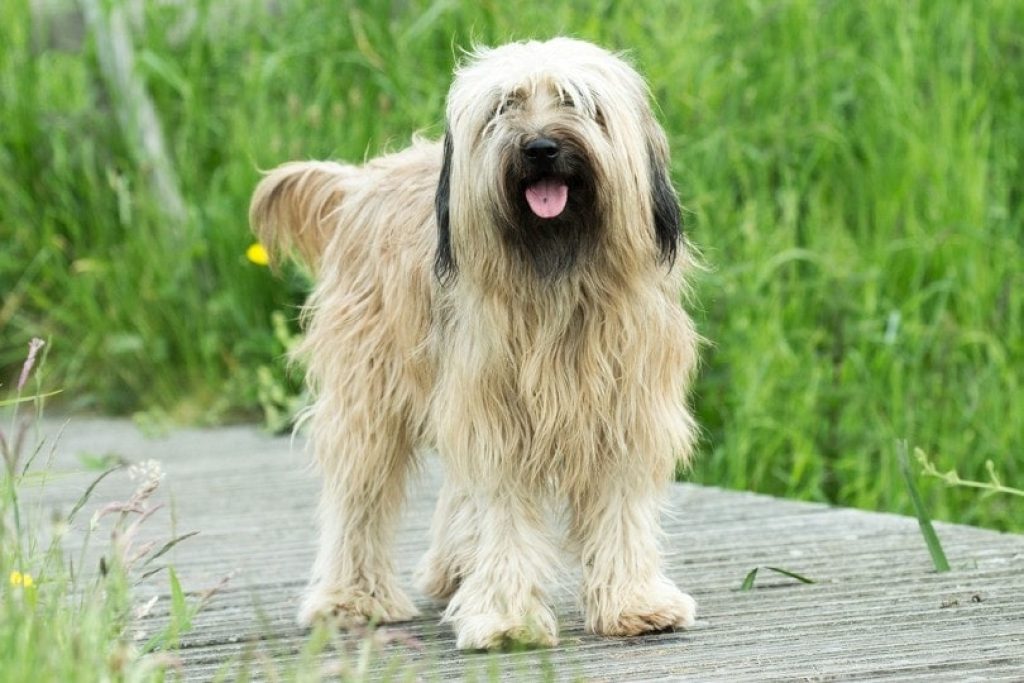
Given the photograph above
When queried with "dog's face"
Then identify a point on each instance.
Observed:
(545, 199)
(552, 150)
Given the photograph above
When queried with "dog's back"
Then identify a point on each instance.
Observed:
(329, 213)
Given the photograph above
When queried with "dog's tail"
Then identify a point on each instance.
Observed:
(292, 209)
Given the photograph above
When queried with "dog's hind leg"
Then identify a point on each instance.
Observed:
(364, 464)
(455, 537)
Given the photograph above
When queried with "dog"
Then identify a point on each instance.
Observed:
(510, 296)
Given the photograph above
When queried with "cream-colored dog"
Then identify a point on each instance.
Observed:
(510, 297)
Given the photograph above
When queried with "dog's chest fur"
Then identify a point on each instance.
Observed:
(551, 373)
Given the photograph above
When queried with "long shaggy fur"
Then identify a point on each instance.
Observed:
(546, 359)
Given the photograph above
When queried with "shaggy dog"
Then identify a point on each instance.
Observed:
(510, 297)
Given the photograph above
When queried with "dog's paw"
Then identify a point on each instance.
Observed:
(354, 606)
(490, 631)
(664, 608)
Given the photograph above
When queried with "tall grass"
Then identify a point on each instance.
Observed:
(851, 172)
(61, 619)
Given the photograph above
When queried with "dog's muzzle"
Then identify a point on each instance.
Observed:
(548, 194)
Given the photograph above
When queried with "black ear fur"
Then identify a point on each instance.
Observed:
(668, 219)
(444, 260)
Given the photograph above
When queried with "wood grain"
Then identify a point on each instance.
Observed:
(876, 611)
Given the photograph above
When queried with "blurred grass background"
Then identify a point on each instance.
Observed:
(852, 172)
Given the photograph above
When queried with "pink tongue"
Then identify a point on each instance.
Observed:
(547, 197)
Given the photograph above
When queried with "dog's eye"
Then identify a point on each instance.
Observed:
(509, 104)
(568, 102)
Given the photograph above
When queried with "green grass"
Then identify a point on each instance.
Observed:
(61, 618)
(924, 522)
(851, 171)
(71, 580)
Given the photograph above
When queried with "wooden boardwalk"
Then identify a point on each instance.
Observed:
(877, 611)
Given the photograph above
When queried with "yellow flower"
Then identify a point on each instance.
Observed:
(19, 579)
(257, 254)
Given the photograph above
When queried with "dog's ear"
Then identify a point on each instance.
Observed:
(668, 219)
(444, 260)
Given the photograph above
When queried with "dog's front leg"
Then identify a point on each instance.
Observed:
(500, 599)
(615, 526)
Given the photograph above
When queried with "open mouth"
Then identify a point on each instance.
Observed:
(547, 197)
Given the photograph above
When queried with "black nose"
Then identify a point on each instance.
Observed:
(541, 149)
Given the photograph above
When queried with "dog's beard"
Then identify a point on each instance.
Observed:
(549, 217)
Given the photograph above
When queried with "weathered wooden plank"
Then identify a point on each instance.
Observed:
(877, 612)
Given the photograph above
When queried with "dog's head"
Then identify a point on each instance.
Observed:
(552, 151)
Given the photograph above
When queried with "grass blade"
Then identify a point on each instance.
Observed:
(88, 492)
(27, 399)
(748, 582)
(792, 575)
(180, 619)
(931, 539)
(167, 546)
(179, 607)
